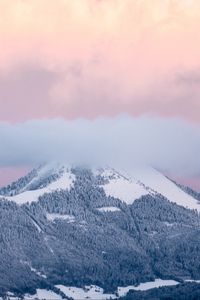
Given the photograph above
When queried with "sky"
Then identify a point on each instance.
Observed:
(115, 62)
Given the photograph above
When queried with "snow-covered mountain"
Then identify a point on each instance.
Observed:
(124, 185)
(66, 228)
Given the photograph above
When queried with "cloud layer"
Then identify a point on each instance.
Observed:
(170, 145)
(99, 58)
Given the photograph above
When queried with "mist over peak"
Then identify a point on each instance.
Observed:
(171, 145)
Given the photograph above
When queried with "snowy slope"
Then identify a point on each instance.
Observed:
(129, 186)
(121, 186)
(126, 186)
(65, 181)
(161, 184)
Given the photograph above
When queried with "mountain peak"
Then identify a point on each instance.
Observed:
(44, 179)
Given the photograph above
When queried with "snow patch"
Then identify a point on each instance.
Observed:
(43, 294)
(53, 217)
(108, 209)
(191, 280)
(33, 269)
(169, 224)
(47, 244)
(121, 187)
(125, 190)
(37, 226)
(122, 291)
(89, 292)
(38, 272)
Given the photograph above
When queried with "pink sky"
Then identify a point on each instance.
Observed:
(9, 174)
(91, 58)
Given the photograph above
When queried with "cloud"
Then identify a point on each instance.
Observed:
(191, 77)
(25, 91)
(168, 144)
(106, 57)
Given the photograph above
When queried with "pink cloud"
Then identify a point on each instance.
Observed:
(106, 57)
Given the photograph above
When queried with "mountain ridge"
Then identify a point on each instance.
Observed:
(127, 186)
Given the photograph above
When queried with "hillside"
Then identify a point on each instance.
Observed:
(63, 226)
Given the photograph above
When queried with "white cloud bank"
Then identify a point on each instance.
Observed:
(168, 144)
